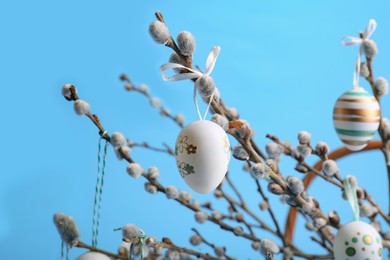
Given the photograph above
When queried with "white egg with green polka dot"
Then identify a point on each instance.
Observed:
(357, 240)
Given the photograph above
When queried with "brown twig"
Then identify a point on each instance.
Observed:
(208, 243)
(95, 249)
(146, 145)
(308, 179)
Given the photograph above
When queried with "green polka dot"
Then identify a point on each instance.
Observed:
(380, 251)
(366, 258)
(354, 240)
(367, 239)
(346, 243)
(372, 252)
(377, 240)
(350, 251)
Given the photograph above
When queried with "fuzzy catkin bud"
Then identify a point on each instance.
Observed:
(301, 168)
(264, 205)
(150, 188)
(369, 48)
(175, 58)
(195, 240)
(159, 32)
(119, 152)
(81, 107)
(180, 118)
(66, 91)
(382, 86)
(367, 210)
(143, 88)
(171, 254)
(123, 249)
(200, 217)
(171, 192)
(295, 184)
(330, 168)
(322, 148)
(153, 172)
(186, 43)
(221, 121)
(319, 222)
(155, 102)
(275, 188)
(256, 245)
(274, 150)
(233, 112)
(118, 140)
(164, 111)
(243, 129)
(205, 86)
(309, 226)
(353, 182)
(130, 231)
(134, 170)
(364, 71)
(239, 153)
(216, 214)
(219, 251)
(260, 170)
(67, 228)
(185, 196)
(238, 231)
(268, 246)
(304, 137)
(304, 150)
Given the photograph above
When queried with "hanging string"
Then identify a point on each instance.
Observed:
(98, 192)
(141, 237)
(193, 74)
(351, 41)
(62, 250)
(350, 192)
(64, 253)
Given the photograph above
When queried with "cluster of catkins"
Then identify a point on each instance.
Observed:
(186, 46)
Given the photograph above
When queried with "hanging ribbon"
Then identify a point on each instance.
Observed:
(193, 74)
(351, 41)
(141, 237)
(350, 192)
(98, 192)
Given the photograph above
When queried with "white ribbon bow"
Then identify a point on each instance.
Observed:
(193, 74)
(352, 40)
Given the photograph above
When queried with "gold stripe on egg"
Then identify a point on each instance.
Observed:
(356, 119)
(358, 112)
(360, 100)
(354, 142)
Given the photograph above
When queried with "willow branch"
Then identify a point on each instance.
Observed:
(146, 145)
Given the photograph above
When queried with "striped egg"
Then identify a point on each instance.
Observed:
(356, 118)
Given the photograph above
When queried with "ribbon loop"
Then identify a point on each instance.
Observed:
(193, 74)
(352, 40)
(350, 192)
(370, 29)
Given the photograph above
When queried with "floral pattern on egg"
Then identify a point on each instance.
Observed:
(202, 155)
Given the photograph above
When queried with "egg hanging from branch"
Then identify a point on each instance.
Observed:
(94, 256)
(357, 240)
(202, 155)
(356, 118)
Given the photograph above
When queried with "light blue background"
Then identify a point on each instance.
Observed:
(281, 65)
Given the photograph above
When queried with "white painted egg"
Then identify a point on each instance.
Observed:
(94, 256)
(202, 155)
(356, 118)
(357, 240)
